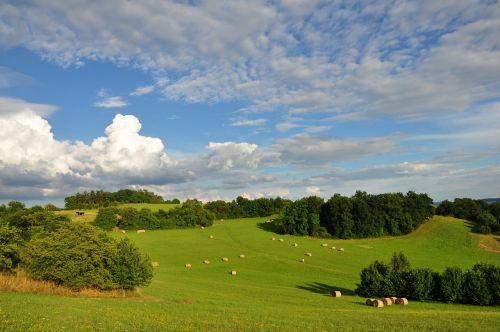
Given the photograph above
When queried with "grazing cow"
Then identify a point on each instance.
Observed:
(80, 213)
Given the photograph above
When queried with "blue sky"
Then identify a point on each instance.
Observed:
(213, 99)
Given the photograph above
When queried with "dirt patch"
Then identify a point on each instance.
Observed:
(490, 243)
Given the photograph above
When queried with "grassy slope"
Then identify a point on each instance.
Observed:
(272, 291)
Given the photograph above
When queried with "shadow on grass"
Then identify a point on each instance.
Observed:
(326, 290)
(268, 227)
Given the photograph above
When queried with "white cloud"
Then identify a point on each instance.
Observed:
(313, 190)
(229, 155)
(142, 90)
(13, 106)
(248, 122)
(111, 102)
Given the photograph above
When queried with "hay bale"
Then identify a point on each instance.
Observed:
(155, 264)
(222, 220)
(206, 261)
(377, 304)
(341, 249)
(309, 254)
(333, 248)
(241, 256)
(387, 301)
(124, 231)
(281, 240)
(188, 265)
(225, 259)
(324, 245)
(369, 301)
(141, 231)
(302, 260)
(402, 301)
(393, 299)
(233, 273)
(336, 293)
(202, 227)
(273, 238)
(211, 237)
(295, 245)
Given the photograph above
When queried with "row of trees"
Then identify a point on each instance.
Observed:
(359, 216)
(480, 285)
(245, 208)
(486, 217)
(48, 247)
(190, 214)
(95, 199)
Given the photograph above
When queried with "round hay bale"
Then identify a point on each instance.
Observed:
(206, 261)
(295, 244)
(302, 260)
(281, 240)
(233, 273)
(202, 227)
(336, 293)
(341, 249)
(155, 264)
(393, 299)
(211, 237)
(369, 301)
(309, 254)
(241, 256)
(377, 304)
(333, 248)
(124, 231)
(324, 245)
(387, 301)
(273, 238)
(402, 301)
(188, 265)
(225, 259)
(141, 231)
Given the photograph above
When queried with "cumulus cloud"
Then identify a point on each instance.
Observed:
(229, 155)
(142, 90)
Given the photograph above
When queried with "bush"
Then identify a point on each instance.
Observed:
(476, 290)
(80, 255)
(400, 265)
(451, 284)
(375, 281)
(10, 239)
(148, 220)
(419, 284)
(129, 267)
(106, 218)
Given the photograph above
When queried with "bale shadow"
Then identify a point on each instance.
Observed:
(268, 227)
(320, 288)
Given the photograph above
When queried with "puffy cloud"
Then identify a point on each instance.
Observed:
(229, 155)
(142, 90)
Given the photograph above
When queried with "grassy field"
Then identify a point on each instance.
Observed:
(273, 290)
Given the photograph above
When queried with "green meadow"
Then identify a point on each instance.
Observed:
(272, 291)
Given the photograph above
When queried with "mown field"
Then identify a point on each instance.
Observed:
(273, 290)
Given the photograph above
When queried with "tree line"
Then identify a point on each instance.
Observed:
(99, 198)
(245, 208)
(479, 285)
(486, 217)
(360, 216)
(76, 255)
(191, 213)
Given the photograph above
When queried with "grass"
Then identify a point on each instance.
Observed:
(273, 291)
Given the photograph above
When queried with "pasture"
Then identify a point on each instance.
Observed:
(272, 290)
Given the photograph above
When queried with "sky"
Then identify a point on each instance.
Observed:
(218, 99)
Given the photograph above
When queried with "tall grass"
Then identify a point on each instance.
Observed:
(19, 281)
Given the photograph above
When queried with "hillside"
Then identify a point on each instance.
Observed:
(272, 291)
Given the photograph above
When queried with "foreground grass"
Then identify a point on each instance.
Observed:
(273, 291)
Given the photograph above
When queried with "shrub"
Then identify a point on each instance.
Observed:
(451, 284)
(400, 265)
(484, 223)
(10, 239)
(476, 290)
(106, 218)
(148, 220)
(420, 284)
(375, 281)
(129, 267)
(129, 218)
(79, 256)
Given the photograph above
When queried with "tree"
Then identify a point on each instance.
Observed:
(375, 281)
(10, 240)
(106, 218)
(129, 268)
(452, 284)
(400, 266)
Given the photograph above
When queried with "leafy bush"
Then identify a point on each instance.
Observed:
(400, 265)
(419, 284)
(106, 218)
(451, 284)
(476, 290)
(79, 255)
(375, 281)
(10, 239)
